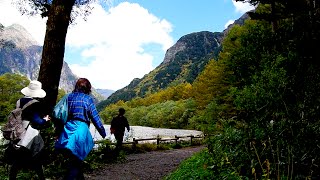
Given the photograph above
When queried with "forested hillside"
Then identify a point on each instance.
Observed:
(182, 63)
(258, 100)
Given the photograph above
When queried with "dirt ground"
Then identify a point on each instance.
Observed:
(145, 166)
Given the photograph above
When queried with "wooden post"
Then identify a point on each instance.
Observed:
(158, 140)
(191, 137)
(135, 142)
(176, 139)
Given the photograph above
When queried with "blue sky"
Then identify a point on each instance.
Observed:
(122, 40)
(192, 15)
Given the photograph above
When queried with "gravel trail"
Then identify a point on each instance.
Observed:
(144, 166)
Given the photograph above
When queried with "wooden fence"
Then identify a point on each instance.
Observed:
(158, 140)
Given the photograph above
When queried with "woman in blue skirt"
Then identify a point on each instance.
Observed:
(75, 139)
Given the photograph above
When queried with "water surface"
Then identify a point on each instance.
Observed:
(143, 132)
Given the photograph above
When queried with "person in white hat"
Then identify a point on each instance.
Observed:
(34, 90)
(29, 147)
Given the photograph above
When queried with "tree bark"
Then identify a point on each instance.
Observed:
(274, 22)
(53, 49)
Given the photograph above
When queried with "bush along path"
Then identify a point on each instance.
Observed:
(154, 165)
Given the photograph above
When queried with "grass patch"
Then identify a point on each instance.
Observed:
(195, 167)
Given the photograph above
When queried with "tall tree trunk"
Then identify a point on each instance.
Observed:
(53, 49)
(274, 22)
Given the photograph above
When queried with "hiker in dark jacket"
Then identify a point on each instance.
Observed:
(118, 125)
(26, 152)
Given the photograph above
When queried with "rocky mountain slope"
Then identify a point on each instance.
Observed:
(20, 54)
(105, 92)
(182, 63)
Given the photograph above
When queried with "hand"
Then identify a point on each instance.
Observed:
(47, 118)
(112, 130)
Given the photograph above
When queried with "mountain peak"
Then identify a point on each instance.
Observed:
(18, 35)
(190, 41)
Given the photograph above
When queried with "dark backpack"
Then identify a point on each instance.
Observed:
(13, 129)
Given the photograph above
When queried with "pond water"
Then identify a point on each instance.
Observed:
(142, 132)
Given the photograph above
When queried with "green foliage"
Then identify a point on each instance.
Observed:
(243, 49)
(103, 154)
(226, 150)
(272, 122)
(196, 167)
(61, 93)
(112, 111)
(210, 83)
(10, 87)
(267, 124)
(170, 114)
(153, 110)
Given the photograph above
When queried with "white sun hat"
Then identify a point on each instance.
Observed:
(34, 90)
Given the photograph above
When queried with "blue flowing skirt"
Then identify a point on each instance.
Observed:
(77, 138)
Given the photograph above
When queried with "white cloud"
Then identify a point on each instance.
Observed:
(115, 69)
(242, 7)
(228, 23)
(35, 25)
(114, 41)
(110, 41)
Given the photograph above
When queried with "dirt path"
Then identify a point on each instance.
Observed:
(145, 166)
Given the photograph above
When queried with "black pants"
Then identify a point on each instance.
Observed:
(24, 159)
(74, 166)
(119, 138)
(16, 167)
